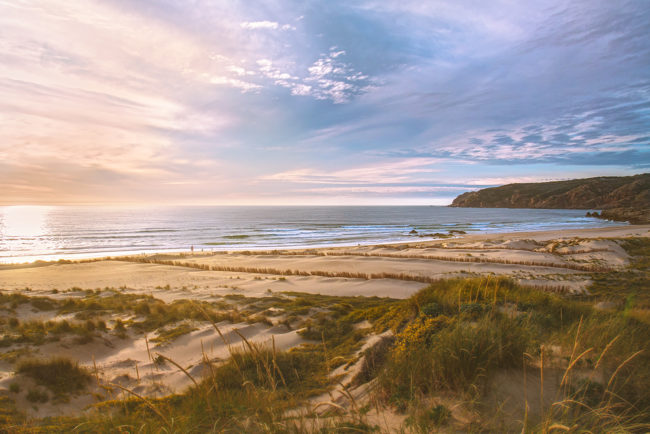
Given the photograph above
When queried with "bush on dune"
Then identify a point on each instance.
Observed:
(460, 332)
(58, 374)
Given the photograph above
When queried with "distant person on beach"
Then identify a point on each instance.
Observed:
(192, 249)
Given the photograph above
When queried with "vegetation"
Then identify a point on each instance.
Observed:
(472, 259)
(352, 275)
(632, 192)
(37, 396)
(633, 215)
(169, 334)
(36, 332)
(60, 375)
(9, 415)
(451, 338)
(482, 326)
(440, 352)
(628, 289)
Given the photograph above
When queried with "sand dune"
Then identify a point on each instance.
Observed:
(546, 259)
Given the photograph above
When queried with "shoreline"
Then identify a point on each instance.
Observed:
(618, 230)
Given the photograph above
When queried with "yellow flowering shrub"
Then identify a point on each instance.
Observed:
(417, 335)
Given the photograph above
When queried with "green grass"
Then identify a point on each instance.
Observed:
(254, 388)
(453, 355)
(10, 301)
(249, 393)
(460, 332)
(37, 396)
(62, 376)
(170, 334)
(426, 420)
(9, 415)
(150, 314)
(450, 339)
(634, 281)
(36, 332)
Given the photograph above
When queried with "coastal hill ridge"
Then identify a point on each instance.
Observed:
(624, 198)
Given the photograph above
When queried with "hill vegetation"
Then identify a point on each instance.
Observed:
(624, 198)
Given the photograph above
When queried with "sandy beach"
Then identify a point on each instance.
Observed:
(559, 261)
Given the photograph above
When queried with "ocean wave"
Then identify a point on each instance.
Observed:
(250, 228)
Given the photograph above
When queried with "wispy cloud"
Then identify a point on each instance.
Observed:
(385, 190)
(254, 25)
(272, 25)
(382, 173)
(245, 86)
(562, 139)
(509, 180)
(331, 78)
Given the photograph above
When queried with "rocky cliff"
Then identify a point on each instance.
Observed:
(621, 197)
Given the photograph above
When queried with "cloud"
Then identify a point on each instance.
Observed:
(270, 25)
(300, 89)
(495, 181)
(386, 190)
(254, 25)
(400, 171)
(569, 138)
(328, 78)
(268, 70)
(331, 78)
(245, 86)
(114, 99)
(240, 71)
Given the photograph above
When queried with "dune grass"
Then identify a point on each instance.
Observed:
(422, 256)
(461, 332)
(60, 375)
(337, 274)
(35, 332)
(450, 339)
(11, 300)
(9, 415)
(629, 288)
(169, 334)
(147, 314)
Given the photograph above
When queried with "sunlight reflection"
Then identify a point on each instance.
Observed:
(23, 221)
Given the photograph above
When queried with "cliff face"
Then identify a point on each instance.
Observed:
(631, 193)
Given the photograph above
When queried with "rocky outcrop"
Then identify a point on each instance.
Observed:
(634, 216)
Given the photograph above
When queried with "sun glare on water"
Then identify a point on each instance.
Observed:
(23, 221)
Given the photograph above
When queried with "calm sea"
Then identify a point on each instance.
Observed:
(52, 233)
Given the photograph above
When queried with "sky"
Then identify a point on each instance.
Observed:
(316, 102)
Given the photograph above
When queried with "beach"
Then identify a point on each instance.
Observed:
(28, 234)
(556, 261)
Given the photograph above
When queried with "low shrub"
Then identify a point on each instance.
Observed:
(58, 374)
(444, 353)
(37, 396)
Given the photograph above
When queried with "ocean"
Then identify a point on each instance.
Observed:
(51, 233)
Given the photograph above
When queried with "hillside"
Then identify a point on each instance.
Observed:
(623, 197)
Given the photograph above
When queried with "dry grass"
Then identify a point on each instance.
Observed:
(334, 274)
(464, 259)
(450, 339)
